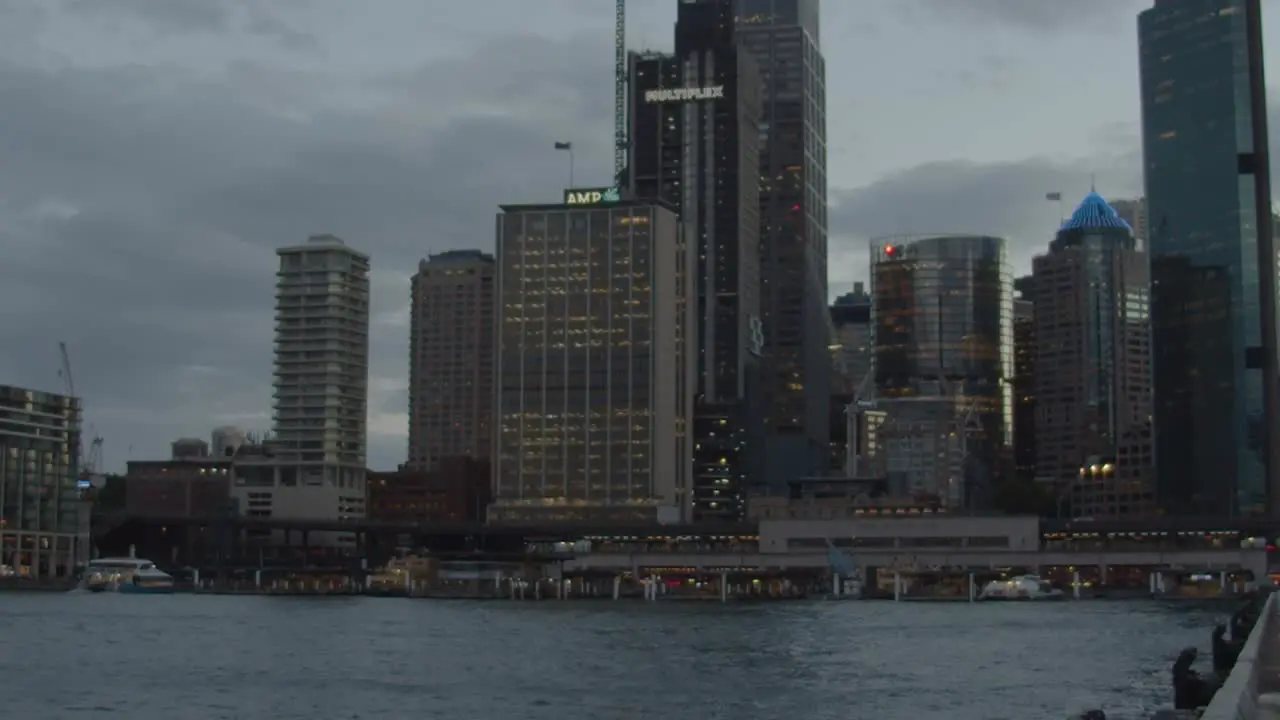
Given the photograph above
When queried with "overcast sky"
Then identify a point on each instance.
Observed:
(153, 153)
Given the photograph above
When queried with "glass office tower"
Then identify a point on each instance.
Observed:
(1213, 265)
(783, 38)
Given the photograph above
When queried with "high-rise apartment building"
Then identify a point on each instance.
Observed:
(943, 337)
(316, 467)
(451, 358)
(783, 38)
(695, 145)
(1092, 364)
(1213, 257)
(595, 368)
(40, 513)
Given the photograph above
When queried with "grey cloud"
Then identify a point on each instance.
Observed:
(143, 205)
(201, 16)
(1002, 199)
(1037, 15)
(163, 15)
(1005, 199)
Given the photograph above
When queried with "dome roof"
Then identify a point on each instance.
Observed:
(1094, 212)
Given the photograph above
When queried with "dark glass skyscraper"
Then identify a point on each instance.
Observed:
(1213, 262)
(782, 36)
(943, 331)
(694, 145)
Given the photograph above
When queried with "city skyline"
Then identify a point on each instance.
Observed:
(311, 129)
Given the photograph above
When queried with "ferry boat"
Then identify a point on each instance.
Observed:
(126, 575)
(1022, 587)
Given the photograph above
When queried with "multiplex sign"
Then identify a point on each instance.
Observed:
(666, 95)
(591, 196)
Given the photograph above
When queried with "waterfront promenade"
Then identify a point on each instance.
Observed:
(1252, 690)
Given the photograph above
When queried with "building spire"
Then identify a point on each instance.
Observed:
(1093, 182)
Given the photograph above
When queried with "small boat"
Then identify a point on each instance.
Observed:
(126, 575)
(1022, 587)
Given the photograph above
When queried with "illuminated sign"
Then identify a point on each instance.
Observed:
(665, 95)
(755, 336)
(591, 196)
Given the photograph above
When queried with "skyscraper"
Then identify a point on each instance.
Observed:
(1213, 261)
(783, 37)
(1092, 369)
(1024, 380)
(943, 338)
(695, 145)
(1134, 212)
(851, 318)
(595, 376)
(321, 383)
(451, 358)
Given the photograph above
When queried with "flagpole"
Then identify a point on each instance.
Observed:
(567, 147)
(1062, 211)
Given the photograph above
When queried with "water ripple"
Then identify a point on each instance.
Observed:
(241, 658)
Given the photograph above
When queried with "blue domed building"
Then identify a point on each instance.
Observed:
(1090, 297)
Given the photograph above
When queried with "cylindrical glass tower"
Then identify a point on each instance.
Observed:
(942, 320)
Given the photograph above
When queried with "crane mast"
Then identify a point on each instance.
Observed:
(619, 90)
(90, 462)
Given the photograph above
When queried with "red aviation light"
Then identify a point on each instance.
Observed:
(889, 249)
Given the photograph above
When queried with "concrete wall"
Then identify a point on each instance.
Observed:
(1238, 698)
(1254, 560)
(1023, 532)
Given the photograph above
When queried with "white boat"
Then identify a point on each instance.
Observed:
(1022, 587)
(126, 575)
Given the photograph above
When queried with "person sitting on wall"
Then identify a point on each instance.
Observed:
(1190, 690)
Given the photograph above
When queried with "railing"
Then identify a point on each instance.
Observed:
(1237, 699)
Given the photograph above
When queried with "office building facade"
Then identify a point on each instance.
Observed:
(42, 530)
(943, 337)
(1213, 260)
(695, 145)
(1024, 378)
(595, 365)
(783, 38)
(315, 465)
(1134, 212)
(451, 358)
(851, 349)
(1090, 294)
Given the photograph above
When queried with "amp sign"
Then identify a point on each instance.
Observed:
(591, 196)
(666, 95)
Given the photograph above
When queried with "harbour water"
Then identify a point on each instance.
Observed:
(80, 655)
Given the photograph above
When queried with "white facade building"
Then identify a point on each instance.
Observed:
(315, 465)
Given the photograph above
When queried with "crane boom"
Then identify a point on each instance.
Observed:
(66, 370)
(619, 89)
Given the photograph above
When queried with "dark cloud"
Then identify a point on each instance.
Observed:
(140, 208)
(163, 15)
(1039, 15)
(1002, 199)
(167, 17)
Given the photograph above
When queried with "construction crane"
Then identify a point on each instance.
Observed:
(90, 462)
(619, 90)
